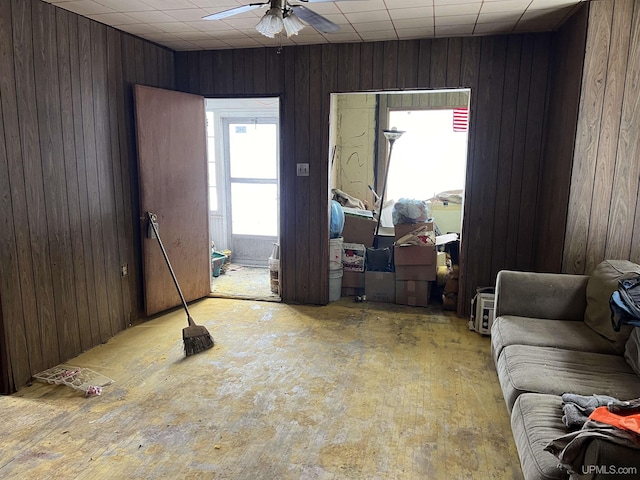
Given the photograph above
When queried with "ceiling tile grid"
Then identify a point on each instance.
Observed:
(178, 24)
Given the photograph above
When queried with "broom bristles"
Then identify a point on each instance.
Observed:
(196, 339)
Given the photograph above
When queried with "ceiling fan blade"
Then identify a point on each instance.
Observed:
(234, 11)
(314, 19)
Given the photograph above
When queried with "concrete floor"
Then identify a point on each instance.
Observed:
(237, 281)
(346, 391)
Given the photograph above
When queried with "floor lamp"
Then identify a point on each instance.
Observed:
(391, 135)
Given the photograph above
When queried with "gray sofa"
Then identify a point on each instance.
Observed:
(552, 335)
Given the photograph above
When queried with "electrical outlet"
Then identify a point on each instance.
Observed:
(303, 169)
(124, 270)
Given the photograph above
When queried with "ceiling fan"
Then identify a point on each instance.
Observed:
(283, 15)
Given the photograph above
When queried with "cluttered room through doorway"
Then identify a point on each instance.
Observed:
(421, 183)
(243, 157)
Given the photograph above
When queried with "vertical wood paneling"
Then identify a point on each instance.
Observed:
(61, 330)
(206, 72)
(624, 213)
(603, 207)
(424, 63)
(366, 66)
(349, 57)
(587, 138)
(17, 271)
(303, 184)
(454, 54)
(390, 65)
(409, 52)
(72, 182)
(555, 176)
(610, 126)
(67, 217)
(41, 333)
(438, 65)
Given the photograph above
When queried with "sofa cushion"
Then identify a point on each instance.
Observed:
(535, 421)
(566, 334)
(632, 350)
(525, 368)
(602, 283)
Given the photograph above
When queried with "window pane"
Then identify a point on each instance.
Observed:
(254, 209)
(253, 149)
(212, 174)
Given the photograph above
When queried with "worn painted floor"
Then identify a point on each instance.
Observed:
(244, 282)
(346, 391)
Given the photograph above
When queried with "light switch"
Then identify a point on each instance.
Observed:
(303, 169)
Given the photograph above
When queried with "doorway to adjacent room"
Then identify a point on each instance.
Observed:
(243, 156)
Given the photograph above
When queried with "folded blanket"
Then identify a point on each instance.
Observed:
(577, 408)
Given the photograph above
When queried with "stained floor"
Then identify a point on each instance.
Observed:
(237, 281)
(346, 391)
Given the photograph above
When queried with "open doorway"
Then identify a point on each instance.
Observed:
(243, 155)
(428, 167)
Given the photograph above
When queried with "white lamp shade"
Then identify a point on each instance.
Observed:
(271, 24)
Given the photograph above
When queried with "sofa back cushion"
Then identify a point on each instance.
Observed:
(632, 350)
(602, 283)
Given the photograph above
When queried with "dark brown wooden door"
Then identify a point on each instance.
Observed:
(171, 137)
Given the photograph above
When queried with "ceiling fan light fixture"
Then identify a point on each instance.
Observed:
(292, 24)
(271, 24)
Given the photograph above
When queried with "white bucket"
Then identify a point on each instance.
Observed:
(335, 285)
(335, 253)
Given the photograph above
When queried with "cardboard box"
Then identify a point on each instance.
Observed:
(353, 255)
(380, 286)
(359, 230)
(403, 228)
(413, 293)
(423, 273)
(352, 279)
(415, 255)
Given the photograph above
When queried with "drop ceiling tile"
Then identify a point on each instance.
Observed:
(456, 20)
(246, 42)
(323, 7)
(379, 35)
(532, 26)
(368, 6)
(218, 3)
(502, 17)
(409, 33)
(209, 25)
(343, 37)
(173, 27)
(413, 22)
(209, 44)
(181, 46)
(188, 15)
(373, 26)
(493, 28)
(455, 2)
(454, 30)
(547, 14)
(505, 6)
(113, 18)
(543, 4)
(393, 4)
(125, 6)
(192, 36)
(337, 18)
(85, 7)
(153, 16)
(417, 12)
(240, 23)
(160, 37)
(169, 4)
(139, 28)
(367, 17)
(459, 9)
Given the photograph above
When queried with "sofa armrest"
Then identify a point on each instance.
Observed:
(541, 295)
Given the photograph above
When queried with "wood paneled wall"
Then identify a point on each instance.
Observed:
(67, 181)
(604, 205)
(508, 77)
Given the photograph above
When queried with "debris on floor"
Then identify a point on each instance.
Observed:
(83, 379)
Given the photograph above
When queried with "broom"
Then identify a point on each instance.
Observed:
(196, 338)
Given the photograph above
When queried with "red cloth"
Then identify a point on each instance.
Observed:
(629, 422)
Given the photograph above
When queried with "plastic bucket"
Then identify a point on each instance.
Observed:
(274, 270)
(335, 285)
(335, 253)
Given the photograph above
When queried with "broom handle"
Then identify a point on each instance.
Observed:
(151, 216)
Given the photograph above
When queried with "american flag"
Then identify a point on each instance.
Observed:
(460, 119)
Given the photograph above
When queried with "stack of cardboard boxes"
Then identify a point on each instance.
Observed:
(414, 265)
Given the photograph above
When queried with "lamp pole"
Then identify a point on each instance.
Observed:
(391, 135)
